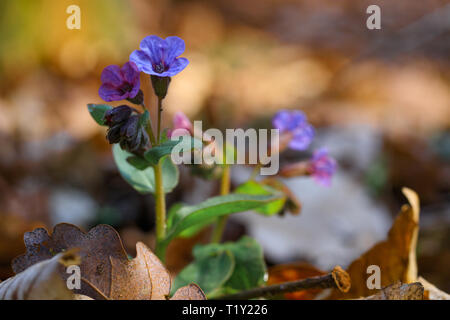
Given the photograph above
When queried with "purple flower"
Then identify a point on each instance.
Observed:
(158, 56)
(119, 83)
(294, 123)
(322, 167)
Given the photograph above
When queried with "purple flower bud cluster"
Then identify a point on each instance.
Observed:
(293, 123)
(125, 128)
(322, 167)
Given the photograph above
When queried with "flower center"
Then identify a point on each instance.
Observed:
(159, 68)
(126, 87)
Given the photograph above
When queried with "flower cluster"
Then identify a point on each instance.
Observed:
(299, 133)
(160, 59)
(294, 124)
(125, 128)
(322, 167)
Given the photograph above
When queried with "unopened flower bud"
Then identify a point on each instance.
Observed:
(113, 134)
(117, 115)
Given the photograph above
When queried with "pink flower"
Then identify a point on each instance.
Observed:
(181, 125)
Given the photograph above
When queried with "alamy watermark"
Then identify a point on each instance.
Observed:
(74, 20)
(238, 146)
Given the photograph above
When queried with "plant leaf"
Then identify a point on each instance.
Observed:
(399, 291)
(227, 267)
(42, 281)
(250, 269)
(106, 270)
(144, 180)
(138, 162)
(189, 216)
(96, 247)
(256, 188)
(189, 292)
(187, 143)
(97, 112)
(395, 256)
(209, 271)
(142, 278)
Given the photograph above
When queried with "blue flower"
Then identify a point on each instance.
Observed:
(322, 167)
(159, 57)
(294, 123)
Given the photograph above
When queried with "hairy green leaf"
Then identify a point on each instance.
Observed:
(144, 180)
(97, 112)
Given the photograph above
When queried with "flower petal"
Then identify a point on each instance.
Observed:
(181, 121)
(302, 138)
(142, 61)
(281, 120)
(176, 67)
(109, 93)
(111, 75)
(175, 47)
(130, 72)
(154, 47)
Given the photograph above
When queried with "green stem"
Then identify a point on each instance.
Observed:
(149, 128)
(159, 120)
(160, 198)
(160, 212)
(224, 190)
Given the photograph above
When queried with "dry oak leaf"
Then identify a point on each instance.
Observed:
(145, 277)
(42, 281)
(396, 256)
(399, 291)
(96, 248)
(431, 292)
(106, 271)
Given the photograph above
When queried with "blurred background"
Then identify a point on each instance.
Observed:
(380, 101)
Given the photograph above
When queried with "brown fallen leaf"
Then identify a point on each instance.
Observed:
(431, 292)
(142, 278)
(395, 256)
(106, 271)
(96, 247)
(399, 291)
(189, 292)
(42, 281)
(12, 227)
(81, 297)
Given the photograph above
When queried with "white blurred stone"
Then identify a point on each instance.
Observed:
(335, 226)
(355, 143)
(71, 206)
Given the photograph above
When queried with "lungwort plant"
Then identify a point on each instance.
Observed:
(142, 150)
